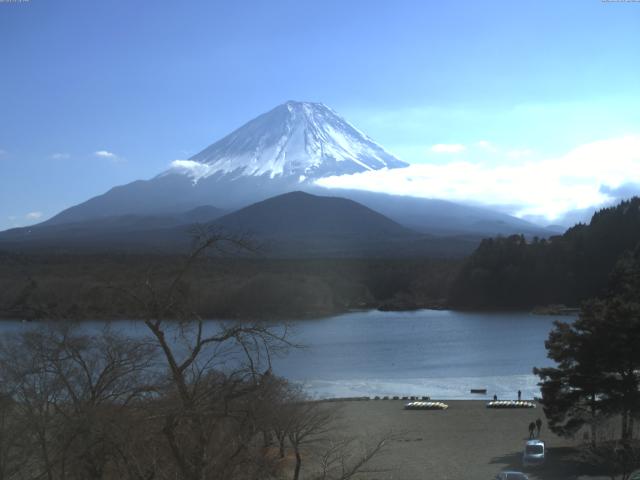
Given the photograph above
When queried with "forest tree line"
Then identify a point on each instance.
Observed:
(87, 286)
(512, 272)
(504, 272)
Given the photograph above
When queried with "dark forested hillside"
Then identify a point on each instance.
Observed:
(510, 272)
(92, 286)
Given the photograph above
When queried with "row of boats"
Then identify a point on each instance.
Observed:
(426, 406)
(492, 404)
(511, 404)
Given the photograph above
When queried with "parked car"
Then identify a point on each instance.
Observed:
(508, 475)
(534, 452)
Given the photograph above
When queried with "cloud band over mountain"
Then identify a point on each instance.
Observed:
(589, 175)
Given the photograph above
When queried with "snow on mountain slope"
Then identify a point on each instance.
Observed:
(299, 140)
(284, 150)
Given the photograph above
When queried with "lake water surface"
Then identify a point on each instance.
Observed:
(442, 354)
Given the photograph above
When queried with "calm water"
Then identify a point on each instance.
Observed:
(442, 354)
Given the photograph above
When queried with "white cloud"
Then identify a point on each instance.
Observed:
(194, 169)
(518, 154)
(447, 148)
(105, 154)
(61, 156)
(548, 187)
(33, 215)
(487, 145)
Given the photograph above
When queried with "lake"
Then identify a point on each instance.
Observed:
(439, 353)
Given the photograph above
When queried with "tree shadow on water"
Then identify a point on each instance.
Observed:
(560, 464)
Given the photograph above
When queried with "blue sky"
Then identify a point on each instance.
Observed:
(95, 94)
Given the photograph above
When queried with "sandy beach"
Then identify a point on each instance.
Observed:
(466, 441)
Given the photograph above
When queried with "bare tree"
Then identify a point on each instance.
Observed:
(309, 424)
(191, 400)
(312, 430)
(35, 392)
(12, 453)
(213, 371)
(346, 458)
(70, 392)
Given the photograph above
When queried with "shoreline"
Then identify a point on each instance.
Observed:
(542, 311)
(413, 398)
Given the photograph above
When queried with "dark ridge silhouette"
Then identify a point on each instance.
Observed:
(295, 225)
(119, 232)
(305, 215)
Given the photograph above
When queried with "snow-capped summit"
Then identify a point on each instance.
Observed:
(296, 140)
(284, 150)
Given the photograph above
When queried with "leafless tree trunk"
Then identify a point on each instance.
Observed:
(309, 423)
(312, 430)
(339, 462)
(210, 371)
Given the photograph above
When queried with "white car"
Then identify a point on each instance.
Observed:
(511, 476)
(533, 453)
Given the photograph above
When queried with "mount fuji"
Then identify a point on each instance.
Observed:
(297, 140)
(284, 150)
